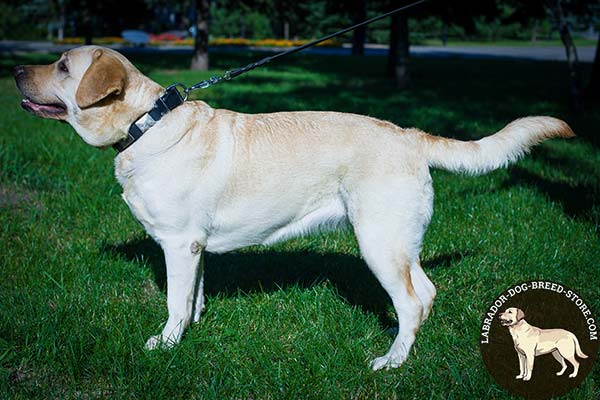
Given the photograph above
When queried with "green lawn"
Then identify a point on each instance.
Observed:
(82, 285)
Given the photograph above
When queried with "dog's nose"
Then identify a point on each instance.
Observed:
(19, 71)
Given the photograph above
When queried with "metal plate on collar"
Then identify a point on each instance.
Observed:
(145, 122)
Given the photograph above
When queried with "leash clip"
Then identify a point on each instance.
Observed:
(213, 80)
(185, 89)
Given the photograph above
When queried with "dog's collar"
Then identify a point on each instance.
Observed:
(165, 103)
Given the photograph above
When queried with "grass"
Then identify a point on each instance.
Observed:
(82, 286)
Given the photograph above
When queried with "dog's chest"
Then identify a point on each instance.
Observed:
(140, 210)
(521, 337)
(153, 197)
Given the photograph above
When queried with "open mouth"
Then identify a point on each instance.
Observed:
(53, 110)
(505, 322)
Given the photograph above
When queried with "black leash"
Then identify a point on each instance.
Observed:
(173, 97)
(228, 75)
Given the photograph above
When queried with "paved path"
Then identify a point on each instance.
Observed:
(545, 53)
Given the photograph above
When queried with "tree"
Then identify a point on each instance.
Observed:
(201, 14)
(87, 26)
(564, 13)
(359, 35)
(462, 13)
(397, 66)
(558, 14)
(31, 19)
(593, 88)
(62, 18)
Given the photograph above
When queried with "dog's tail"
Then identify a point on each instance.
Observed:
(578, 351)
(495, 151)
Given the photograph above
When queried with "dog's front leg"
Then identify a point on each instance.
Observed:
(182, 271)
(199, 305)
(529, 361)
(521, 365)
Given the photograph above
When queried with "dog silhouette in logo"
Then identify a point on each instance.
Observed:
(531, 341)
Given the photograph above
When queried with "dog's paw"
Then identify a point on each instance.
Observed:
(526, 378)
(573, 375)
(519, 377)
(387, 362)
(158, 342)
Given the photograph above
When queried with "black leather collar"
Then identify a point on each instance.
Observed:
(165, 103)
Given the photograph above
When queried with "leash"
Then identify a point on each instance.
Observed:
(228, 75)
(173, 96)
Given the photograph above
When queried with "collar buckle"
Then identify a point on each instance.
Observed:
(171, 99)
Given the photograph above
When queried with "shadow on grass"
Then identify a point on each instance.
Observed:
(269, 270)
(577, 200)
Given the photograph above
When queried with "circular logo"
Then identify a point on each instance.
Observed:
(539, 339)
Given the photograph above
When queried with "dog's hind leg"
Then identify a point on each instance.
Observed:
(575, 364)
(571, 358)
(424, 288)
(394, 276)
(556, 354)
(182, 270)
(389, 228)
(566, 347)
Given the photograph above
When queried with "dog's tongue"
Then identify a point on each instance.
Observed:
(41, 108)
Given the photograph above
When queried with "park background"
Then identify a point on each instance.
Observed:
(82, 286)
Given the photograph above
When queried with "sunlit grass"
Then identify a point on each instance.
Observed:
(82, 286)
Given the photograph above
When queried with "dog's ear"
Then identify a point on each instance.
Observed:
(105, 76)
(520, 314)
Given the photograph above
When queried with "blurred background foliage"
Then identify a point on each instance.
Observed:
(485, 20)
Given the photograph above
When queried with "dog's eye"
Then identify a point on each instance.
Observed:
(62, 66)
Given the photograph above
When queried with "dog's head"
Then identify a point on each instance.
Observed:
(511, 316)
(95, 89)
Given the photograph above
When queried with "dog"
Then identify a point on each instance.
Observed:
(213, 180)
(531, 341)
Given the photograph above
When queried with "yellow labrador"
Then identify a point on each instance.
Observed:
(531, 341)
(205, 179)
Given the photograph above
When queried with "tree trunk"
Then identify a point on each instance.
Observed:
(60, 6)
(593, 89)
(88, 29)
(61, 22)
(444, 33)
(286, 30)
(242, 26)
(359, 35)
(572, 58)
(534, 30)
(200, 58)
(397, 67)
